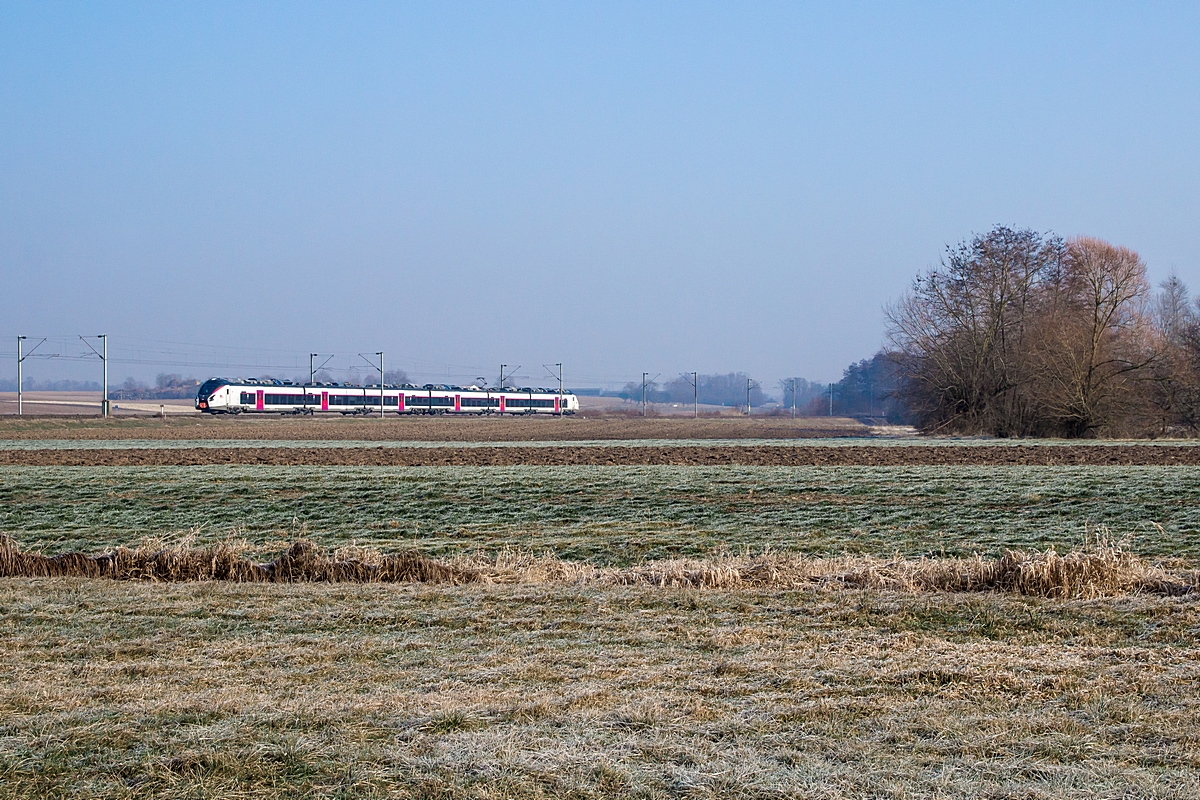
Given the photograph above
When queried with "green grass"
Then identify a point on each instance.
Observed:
(612, 515)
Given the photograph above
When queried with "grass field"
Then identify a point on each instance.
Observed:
(611, 515)
(118, 689)
(219, 690)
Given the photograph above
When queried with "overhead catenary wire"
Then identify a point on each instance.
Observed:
(103, 354)
(206, 356)
(201, 359)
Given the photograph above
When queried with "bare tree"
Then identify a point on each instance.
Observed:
(1173, 314)
(1019, 333)
(961, 333)
(1174, 391)
(1093, 346)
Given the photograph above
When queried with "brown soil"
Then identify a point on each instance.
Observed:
(882, 456)
(457, 429)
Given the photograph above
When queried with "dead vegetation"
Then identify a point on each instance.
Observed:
(129, 689)
(152, 561)
(1101, 569)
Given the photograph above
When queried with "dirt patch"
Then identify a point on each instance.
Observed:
(412, 429)
(798, 455)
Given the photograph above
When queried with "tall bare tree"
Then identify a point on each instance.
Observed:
(1020, 333)
(961, 333)
(1093, 342)
(1175, 388)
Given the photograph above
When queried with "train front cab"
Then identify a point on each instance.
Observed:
(213, 395)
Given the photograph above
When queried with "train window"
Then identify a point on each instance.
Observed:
(210, 386)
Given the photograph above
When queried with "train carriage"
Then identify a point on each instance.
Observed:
(251, 395)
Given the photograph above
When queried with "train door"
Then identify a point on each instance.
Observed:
(324, 401)
(258, 400)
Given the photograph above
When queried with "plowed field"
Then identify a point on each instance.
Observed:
(785, 455)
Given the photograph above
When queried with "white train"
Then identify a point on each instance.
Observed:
(249, 395)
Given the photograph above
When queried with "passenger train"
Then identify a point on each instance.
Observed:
(250, 395)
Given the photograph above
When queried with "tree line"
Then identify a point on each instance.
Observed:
(868, 388)
(727, 389)
(1020, 333)
(10, 385)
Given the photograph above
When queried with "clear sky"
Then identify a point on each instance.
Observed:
(619, 187)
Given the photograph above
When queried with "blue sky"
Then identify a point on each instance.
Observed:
(619, 187)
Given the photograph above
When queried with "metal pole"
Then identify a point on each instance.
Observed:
(20, 361)
(560, 394)
(644, 374)
(502, 366)
(793, 398)
(696, 396)
(748, 382)
(831, 399)
(311, 380)
(104, 357)
(380, 354)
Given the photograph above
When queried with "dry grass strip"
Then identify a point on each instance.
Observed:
(303, 562)
(1099, 569)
